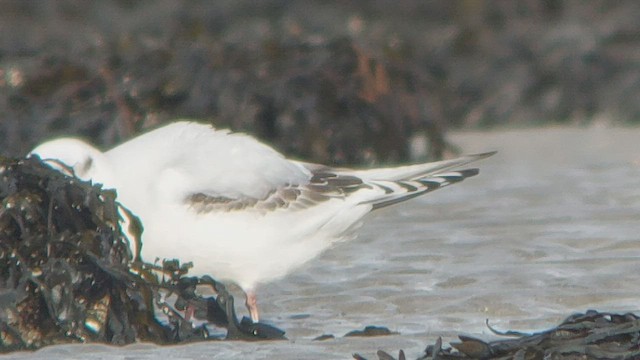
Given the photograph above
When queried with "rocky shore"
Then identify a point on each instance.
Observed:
(328, 82)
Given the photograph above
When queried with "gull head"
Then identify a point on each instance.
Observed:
(75, 157)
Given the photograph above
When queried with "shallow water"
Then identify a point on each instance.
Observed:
(548, 228)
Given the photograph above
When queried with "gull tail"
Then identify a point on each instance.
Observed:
(406, 182)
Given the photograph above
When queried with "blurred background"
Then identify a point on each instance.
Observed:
(345, 82)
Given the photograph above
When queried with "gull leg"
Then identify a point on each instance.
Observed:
(189, 311)
(252, 305)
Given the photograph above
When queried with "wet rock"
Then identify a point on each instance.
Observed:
(371, 331)
(324, 337)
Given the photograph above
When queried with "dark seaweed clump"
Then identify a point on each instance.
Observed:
(329, 81)
(330, 102)
(67, 273)
(592, 335)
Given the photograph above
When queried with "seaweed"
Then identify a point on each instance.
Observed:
(589, 335)
(67, 272)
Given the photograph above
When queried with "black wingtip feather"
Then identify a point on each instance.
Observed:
(430, 185)
(469, 172)
(459, 175)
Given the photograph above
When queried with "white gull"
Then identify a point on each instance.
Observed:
(236, 208)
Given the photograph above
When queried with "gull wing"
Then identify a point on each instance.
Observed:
(402, 183)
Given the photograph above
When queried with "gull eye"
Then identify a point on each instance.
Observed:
(83, 167)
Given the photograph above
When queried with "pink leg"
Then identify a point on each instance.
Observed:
(252, 305)
(188, 312)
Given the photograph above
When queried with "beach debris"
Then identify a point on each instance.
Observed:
(589, 335)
